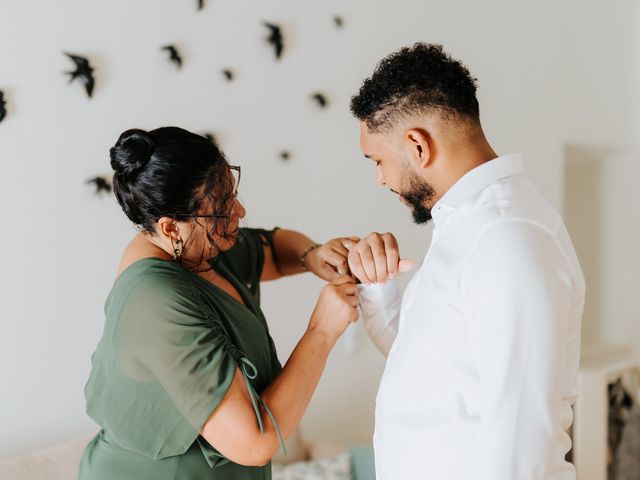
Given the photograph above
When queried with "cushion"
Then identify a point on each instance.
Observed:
(334, 468)
(297, 450)
(53, 463)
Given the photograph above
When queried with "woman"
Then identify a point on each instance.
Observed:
(185, 381)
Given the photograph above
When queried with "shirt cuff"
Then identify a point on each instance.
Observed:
(380, 304)
(380, 294)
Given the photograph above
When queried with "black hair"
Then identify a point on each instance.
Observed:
(421, 78)
(168, 172)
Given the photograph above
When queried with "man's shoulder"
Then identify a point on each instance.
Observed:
(514, 203)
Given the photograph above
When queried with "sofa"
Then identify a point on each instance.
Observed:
(304, 461)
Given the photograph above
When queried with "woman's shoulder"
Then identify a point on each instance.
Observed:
(153, 295)
(152, 278)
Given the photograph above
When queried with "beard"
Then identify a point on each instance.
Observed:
(417, 195)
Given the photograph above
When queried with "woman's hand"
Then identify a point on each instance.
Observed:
(337, 307)
(330, 260)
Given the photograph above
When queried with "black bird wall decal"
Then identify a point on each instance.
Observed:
(101, 184)
(3, 104)
(174, 55)
(228, 74)
(211, 137)
(285, 155)
(275, 38)
(83, 72)
(339, 22)
(320, 99)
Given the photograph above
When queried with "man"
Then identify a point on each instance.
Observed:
(483, 347)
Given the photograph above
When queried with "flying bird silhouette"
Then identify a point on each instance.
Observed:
(320, 99)
(3, 109)
(174, 55)
(83, 72)
(275, 38)
(101, 184)
(228, 74)
(211, 137)
(285, 155)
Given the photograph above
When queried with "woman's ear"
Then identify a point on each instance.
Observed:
(419, 146)
(168, 229)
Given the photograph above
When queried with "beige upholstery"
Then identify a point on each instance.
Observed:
(60, 462)
(297, 450)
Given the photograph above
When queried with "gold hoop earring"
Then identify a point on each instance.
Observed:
(177, 251)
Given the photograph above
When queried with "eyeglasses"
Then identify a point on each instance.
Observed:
(236, 173)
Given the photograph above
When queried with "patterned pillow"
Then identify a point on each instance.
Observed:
(335, 468)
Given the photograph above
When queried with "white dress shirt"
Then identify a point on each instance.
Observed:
(483, 348)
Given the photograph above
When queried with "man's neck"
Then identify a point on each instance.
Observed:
(462, 161)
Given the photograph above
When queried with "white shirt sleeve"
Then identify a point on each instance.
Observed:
(380, 304)
(516, 293)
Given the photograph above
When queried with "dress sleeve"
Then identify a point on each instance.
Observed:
(175, 363)
(174, 368)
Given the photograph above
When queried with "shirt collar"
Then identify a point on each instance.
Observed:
(474, 181)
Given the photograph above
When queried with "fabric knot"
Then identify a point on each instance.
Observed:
(248, 368)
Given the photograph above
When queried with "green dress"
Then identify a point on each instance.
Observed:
(171, 345)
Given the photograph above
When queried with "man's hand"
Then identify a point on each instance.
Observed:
(329, 261)
(376, 259)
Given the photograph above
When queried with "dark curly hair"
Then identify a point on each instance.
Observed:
(418, 79)
(169, 172)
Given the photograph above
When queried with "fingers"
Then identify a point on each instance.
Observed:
(405, 265)
(328, 273)
(367, 260)
(357, 268)
(368, 263)
(353, 300)
(392, 254)
(379, 259)
(348, 289)
(340, 249)
(336, 259)
(376, 259)
(350, 294)
(343, 280)
(349, 242)
(342, 265)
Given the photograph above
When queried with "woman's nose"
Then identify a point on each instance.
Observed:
(241, 212)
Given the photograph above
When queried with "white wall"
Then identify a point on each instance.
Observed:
(550, 73)
(601, 208)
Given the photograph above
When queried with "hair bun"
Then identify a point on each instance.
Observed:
(132, 152)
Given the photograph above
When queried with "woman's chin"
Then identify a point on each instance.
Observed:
(228, 243)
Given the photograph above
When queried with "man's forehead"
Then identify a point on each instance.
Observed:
(364, 130)
(367, 141)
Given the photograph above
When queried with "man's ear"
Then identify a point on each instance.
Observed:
(419, 147)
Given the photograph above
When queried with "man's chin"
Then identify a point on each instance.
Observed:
(421, 215)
